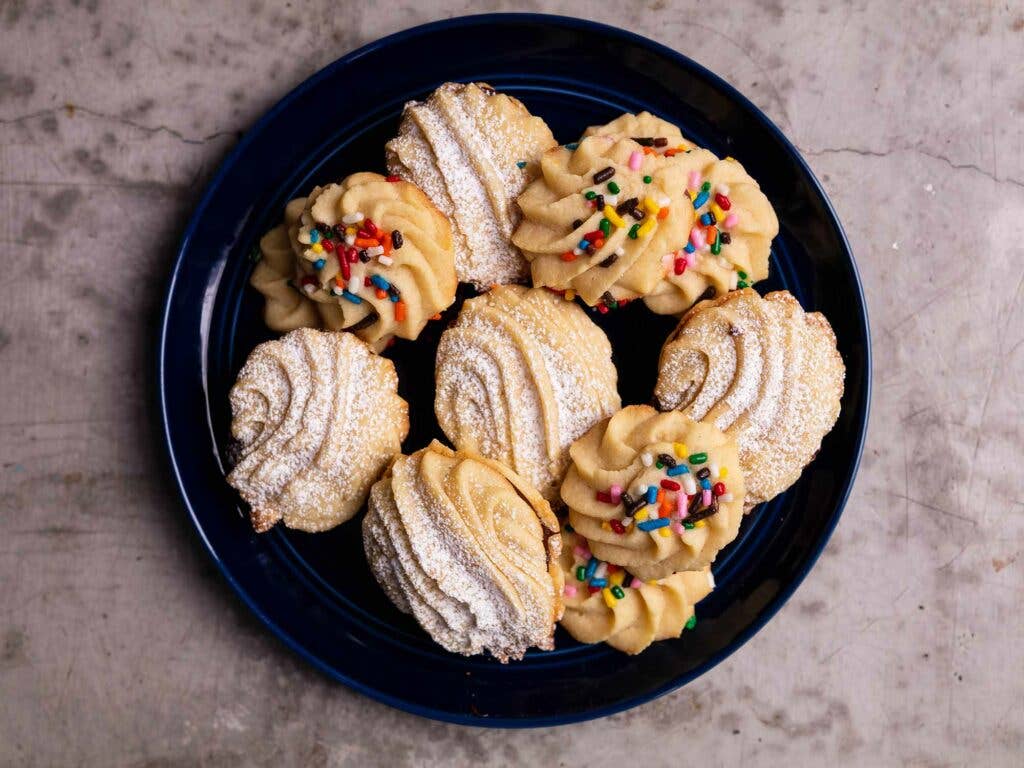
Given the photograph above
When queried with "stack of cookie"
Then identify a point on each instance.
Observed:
(467, 540)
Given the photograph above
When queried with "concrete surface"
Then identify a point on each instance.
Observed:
(120, 645)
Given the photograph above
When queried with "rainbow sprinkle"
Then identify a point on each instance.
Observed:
(714, 216)
(335, 251)
(598, 576)
(713, 209)
(690, 491)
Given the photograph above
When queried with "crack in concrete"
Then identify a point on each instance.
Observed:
(150, 129)
(176, 134)
(916, 150)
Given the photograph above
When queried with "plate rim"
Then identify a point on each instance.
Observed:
(678, 59)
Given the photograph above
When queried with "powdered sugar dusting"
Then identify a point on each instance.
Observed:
(481, 404)
(697, 367)
(775, 383)
(454, 542)
(520, 376)
(756, 420)
(302, 411)
(810, 401)
(466, 171)
(743, 390)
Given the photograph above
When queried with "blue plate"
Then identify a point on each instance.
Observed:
(315, 591)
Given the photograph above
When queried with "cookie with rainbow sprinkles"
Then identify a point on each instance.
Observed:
(656, 493)
(371, 255)
(600, 218)
(636, 210)
(729, 241)
(730, 229)
(604, 603)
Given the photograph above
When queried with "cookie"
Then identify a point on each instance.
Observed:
(368, 255)
(730, 234)
(601, 217)
(520, 375)
(606, 604)
(728, 239)
(469, 549)
(473, 150)
(315, 418)
(655, 492)
(763, 371)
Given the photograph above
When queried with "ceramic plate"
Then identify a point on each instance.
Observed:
(315, 591)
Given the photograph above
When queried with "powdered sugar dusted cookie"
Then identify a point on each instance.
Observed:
(520, 375)
(316, 417)
(762, 370)
(469, 549)
(473, 150)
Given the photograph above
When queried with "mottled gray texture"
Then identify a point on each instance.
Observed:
(120, 644)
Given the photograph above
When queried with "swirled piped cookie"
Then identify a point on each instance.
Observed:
(655, 492)
(473, 150)
(614, 220)
(605, 603)
(730, 234)
(730, 238)
(315, 418)
(762, 370)
(520, 375)
(367, 255)
(468, 548)
(599, 219)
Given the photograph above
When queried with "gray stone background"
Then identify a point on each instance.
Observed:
(120, 645)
